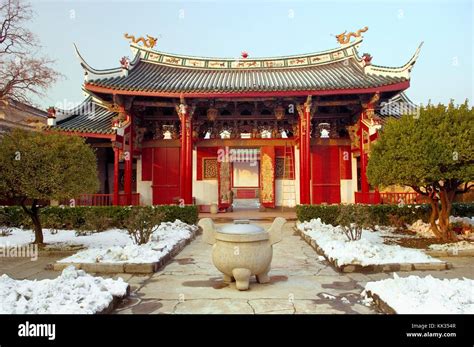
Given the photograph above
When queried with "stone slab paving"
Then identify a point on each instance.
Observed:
(300, 283)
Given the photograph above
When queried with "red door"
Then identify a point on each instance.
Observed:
(325, 175)
(165, 183)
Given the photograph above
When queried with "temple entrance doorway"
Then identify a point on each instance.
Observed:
(246, 185)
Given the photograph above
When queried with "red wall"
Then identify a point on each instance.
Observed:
(345, 157)
(147, 164)
(325, 174)
(166, 181)
(204, 152)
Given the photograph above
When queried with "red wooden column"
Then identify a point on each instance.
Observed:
(186, 153)
(301, 155)
(129, 165)
(188, 198)
(366, 116)
(115, 199)
(307, 116)
(364, 183)
(304, 112)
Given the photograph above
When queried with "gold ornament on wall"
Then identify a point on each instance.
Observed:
(267, 178)
(225, 189)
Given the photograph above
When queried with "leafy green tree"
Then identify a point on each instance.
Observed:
(36, 166)
(433, 153)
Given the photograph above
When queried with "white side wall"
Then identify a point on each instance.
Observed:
(354, 174)
(287, 186)
(205, 191)
(347, 192)
(143, 187)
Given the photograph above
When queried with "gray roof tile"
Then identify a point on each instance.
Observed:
(147, 76)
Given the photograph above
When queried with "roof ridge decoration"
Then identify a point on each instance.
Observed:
(344, 38)
(148, 42)
(158, 73)
(209, 63)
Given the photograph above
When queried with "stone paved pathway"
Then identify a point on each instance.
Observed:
(300, 282)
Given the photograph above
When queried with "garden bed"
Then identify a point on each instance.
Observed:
(368, 255)
(166, 241)
(422, 295)
(110, 251)
(72, 292)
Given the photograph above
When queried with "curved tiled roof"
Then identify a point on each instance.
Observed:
(146, 76)
(89, 117)
(157, 72)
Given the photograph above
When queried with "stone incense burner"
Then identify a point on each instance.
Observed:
(241, 250)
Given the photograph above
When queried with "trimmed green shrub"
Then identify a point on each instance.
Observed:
(463, 209)
(354, 218)
(380, 214)
(327, 213)
(141, 223)
(96, 218)
(187, 214)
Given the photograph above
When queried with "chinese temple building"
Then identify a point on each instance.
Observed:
(210, 131)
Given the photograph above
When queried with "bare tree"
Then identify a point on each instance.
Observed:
(22, 72)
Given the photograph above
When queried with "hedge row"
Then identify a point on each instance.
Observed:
(91, 218)
(380, 214)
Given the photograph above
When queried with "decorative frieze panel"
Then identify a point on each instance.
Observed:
(329, 128)
(234, 129)
(246, 63)
(298, 61)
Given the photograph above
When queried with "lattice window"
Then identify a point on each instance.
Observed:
(209, 168)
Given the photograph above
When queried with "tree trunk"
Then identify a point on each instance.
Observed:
(34, 215)
(434, 217)
(446, 198)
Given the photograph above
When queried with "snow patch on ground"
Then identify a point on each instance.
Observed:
(464, 220)
(422, 229)
(162, 241)
(345, 300)
(109, 238)
(369, 250)
(367, 301)
(425, 295)
(328, 296)
(452, 246)
(74, 291)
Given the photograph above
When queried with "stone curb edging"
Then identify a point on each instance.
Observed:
(348, 268)
(451, 253)
(380, 304)
(115, 302)
(130, 268)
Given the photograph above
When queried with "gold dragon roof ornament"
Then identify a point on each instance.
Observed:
(148, 42)
(344, 38)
